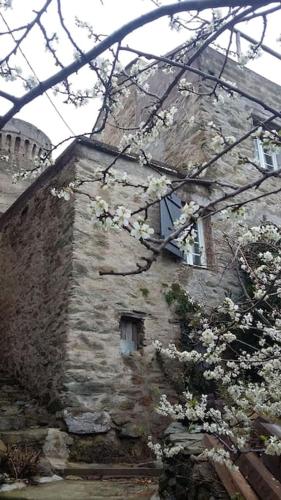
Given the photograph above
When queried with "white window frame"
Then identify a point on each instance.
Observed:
(191, 256)
(260, 153)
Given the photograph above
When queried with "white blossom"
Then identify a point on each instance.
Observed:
(61, 193)
(98, 207)
(157, 186)
(273, 446)
(122, 216)
(141, 230)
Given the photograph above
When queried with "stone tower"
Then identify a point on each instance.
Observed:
(20, 144)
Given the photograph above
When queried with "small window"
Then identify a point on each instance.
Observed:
(197, 255)
(268, 159)
(131, 334)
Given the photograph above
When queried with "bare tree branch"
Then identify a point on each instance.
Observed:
(118, 36)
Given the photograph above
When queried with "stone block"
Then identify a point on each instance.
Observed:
(131, 430)
(174, 428)
(56, 444)
(3, 450)
(192, 442)
(88, 422)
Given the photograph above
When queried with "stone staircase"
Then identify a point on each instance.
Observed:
(24, 421)
(73, 489)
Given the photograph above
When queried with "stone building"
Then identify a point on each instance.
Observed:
(20, 143)
(82, 341)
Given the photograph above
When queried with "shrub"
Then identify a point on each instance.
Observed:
(21, 461)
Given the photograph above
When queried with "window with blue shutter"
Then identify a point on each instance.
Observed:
(170, 211)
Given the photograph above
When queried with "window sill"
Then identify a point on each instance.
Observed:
(193, 266)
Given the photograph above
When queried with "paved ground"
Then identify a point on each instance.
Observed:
(131, 489)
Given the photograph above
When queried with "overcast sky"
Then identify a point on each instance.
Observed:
(105, 18)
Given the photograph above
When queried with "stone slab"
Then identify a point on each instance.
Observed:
(88, 490)
(108, 470)
(88, 422)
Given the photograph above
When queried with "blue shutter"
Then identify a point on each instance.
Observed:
(170, 211)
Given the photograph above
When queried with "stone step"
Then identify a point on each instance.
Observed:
(129, 489)
(107, 471)
(31, 436)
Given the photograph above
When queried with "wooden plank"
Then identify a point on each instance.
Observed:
(266, 428)
(259, 477)
(273, 429)
(233, 481)
(273, 464)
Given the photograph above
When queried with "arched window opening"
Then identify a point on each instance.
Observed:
(17, 145)
(8, 142)
(33, 150)
(26, 148)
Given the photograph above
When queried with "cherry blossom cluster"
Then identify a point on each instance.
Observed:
(253, 52)
(108, 217)
(219, 140)
(140, 72)
(121, 217)
(271, 139)
(148, 133)
(185, 87)
(157, 186)
(38, 166)
(187, 237)
(237, 349)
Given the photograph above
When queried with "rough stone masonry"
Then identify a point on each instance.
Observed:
(61, 320)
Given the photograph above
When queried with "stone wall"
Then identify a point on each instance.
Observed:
(98, 377)
(58, 310)
(9, 191)
(191, 143)
(235, 116)
(60, 319)
(179, 144)
(188, 142)
(185, 142)
(35, 266)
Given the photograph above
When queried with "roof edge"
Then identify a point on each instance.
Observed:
(68, 154)
(38, 183)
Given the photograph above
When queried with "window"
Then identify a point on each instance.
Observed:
(196, 257)
(268, 159)
(170, 211)
(131, 334)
